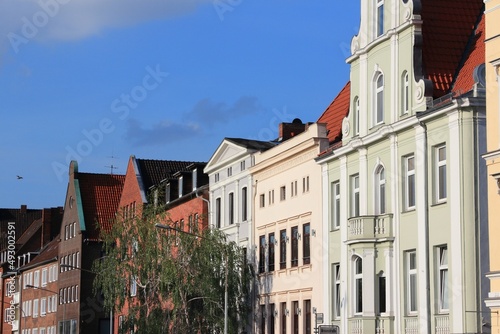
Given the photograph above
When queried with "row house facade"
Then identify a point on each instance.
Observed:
(492, 157)
(403, 210)
(178, 187)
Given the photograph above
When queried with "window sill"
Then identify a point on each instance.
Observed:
(439, 203)
(335, 229)
(409, 210)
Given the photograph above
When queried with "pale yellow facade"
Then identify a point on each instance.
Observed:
(288, 198)
(492, 63)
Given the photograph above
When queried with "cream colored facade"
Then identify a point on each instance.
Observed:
(290, 245)
(492, 63)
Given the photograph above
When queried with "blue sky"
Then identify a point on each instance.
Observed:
(159, 79)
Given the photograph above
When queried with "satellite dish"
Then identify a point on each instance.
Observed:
(479, 75)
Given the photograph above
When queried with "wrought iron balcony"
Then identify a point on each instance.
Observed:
(370, 228)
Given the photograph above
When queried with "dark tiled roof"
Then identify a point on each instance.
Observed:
(475, 56)
(100, 195)
(335, 113)
(22, 217)
(154, 171)
(47, 254)
(252, 144)
(447, 27)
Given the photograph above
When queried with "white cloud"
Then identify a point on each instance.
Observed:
(76, 19)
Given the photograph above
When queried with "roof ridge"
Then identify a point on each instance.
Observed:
(335, 99)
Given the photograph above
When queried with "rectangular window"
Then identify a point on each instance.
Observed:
(411, 281)
(217, 213)
(409, 182)
(295, 246)
(271, 197)
(380, 17)
(283, 317)
(262, 318)
(440, 173)
(231, 208)
(195, 178)
(283, 249)
(336, 291)
(282, 193)
(244, 204)
(133, 286)
(230, 171)
(243, 165)
(217, 177)
(271, 253)
(335, 205)
(262, 254)
(262, 200)
(35, 308)
(43, 307)
(307, 316)
(306, 243)
(293, 187)
(36, 279)
(272, 318)
(295, 324)
(443, 278)
(181, 184)
(381, 294)
(355, 195)
(305, 184)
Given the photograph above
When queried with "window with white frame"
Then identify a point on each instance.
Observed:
(405, 94)
(378, 115)
(355, 195)
(231, 208)
(282, 193)
(230, 171)
(244, 204)
(262, 200)
(293, 187)
(218, 213)
(440, 173)
(411, 281)
(380, 190)
(358, 284)
(409, 182)
(36, 278)
(35, 308)
(133, 286)
(380, 17)
(335, 204)
(442, 257)
(43, 307)
(355, 120)
(305, 184)
(336, 291)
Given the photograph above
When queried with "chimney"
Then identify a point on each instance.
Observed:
(23, 209)
(289, 130)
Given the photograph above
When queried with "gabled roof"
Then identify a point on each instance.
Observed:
(152, 172)
(335, 113)
(23, 218)
(100, 195)
(475, 56)
(447, 28)
(252, 144)
(49, 253)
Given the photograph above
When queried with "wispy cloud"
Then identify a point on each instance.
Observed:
(76, 19)
(204, 116)
(160, 133)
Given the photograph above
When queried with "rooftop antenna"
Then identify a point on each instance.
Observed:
(112, 166)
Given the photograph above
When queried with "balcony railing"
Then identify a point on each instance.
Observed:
(411, 325)
(371, 325)
(370, 227)
(442, 324)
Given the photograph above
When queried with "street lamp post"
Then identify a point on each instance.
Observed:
(169, 228)
(64, 303)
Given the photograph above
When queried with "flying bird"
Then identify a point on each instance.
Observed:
(19, 177)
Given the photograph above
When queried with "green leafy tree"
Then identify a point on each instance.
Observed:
(178, 279)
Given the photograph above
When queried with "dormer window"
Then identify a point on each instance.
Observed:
(180, 186)
(167, 193)
(195, 179)
(380, 17)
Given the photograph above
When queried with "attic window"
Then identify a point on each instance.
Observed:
(180, 186)
(195, 179)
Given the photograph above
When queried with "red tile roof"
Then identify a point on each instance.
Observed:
(475, 56)
(48, 253)
(335, 113)
(100, 198)
(447, 28)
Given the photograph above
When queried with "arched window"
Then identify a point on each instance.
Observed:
(380, 17)
(355, 117)
(405, 93)
(380, 190)
(378, 115)
(358, 284)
